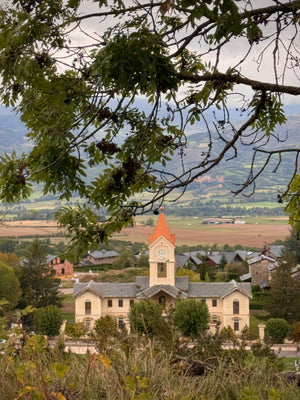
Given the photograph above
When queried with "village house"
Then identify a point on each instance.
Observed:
(260, 269)
(101, 257)
(63, 268)
(228, 302)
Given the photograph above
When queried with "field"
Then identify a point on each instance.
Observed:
(188, 231)
(29, 228)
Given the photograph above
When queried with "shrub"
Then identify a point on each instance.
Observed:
(295, 332)
(48, 320)
(145, 316)
(104, 331)
(276, 330)
(76, 330)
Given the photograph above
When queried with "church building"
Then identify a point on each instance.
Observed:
(227, 302)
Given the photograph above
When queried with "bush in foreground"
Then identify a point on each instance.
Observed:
(48, 320)
(276, 330)
(144, 371)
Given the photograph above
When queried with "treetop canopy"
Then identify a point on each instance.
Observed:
(76, 72)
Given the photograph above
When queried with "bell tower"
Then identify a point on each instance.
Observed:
(161, 254)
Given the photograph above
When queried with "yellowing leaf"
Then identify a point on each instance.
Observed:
(105, 361)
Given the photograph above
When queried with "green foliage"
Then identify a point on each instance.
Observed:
(191, 317)
(48, 320)
(125, 260)
(76, 330)
(283, 300)
(193, 276)
(150, 222)
(295, 332)
(276, 330)
(145, 317)
(293, 206)
(81, 102)
(9, 286)
(228, 334)
(105, 330)
(140, 370)
(39, 287)
(270, 112)
(143, 261)
(292, 245)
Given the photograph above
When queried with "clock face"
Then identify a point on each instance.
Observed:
(161, 253)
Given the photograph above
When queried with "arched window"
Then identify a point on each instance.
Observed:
(162, 301)
(88, 307)
(236, 306)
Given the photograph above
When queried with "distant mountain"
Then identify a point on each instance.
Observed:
(221, 180)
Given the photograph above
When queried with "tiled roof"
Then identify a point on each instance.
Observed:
(180, 260)
(245, 277)
(142, 282)
(105, 289)
(182, 289)
(104, 254)
(182, 282)
(162, 229)
(51, 257)
(260, 258)
(218, 289)
(169, 289)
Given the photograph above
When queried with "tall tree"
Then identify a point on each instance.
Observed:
(38, 284)
(292, 245)
(283, 300)
(191, 317)
(9, 286)
(81, 99)
(145, 317)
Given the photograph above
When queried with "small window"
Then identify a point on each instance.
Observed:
(236, 307)
(88, 307)
(131, 302)
(62, 261)
(214, 302)
(120, 323)
(203, 300)
(62, 271)
(214, 320)
(109, 303)
(236, 325)
(120, 302)
(88, 324)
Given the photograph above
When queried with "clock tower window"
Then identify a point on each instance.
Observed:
(161, 270)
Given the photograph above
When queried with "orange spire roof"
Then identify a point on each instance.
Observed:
(162, 229)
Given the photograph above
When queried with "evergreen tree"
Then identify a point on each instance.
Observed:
(283, 300)
(38, 284)
(292, 245)
(222, 262)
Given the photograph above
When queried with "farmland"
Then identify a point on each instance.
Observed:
(188, 231)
